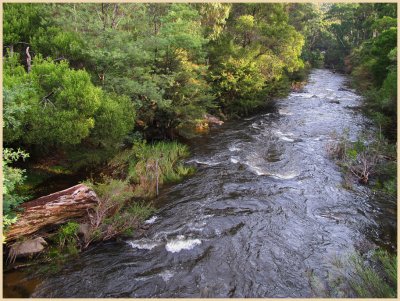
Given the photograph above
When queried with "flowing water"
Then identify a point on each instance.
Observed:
(265, 209)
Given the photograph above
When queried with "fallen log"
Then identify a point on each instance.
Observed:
(52, 209)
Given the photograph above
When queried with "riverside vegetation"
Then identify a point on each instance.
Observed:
(112, 87)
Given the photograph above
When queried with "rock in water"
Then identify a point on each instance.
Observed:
(52, 209)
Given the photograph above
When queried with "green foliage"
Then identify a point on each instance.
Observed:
(253, 56)
(239, 83)
(113, 121)
(141, 210)
(12, 178)
(177, 61)
(65, 243)
(213, 18)
(381, 47)
(60, 106)
(14, 111)
(63, 111)
(56, 106)
(112, 190)
(52, 41)
(21, 22)
(67, 237)
(99, 69)
(16, 89)
(161, 66)
(363, 42)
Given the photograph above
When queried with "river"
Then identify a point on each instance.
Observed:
(265, 209)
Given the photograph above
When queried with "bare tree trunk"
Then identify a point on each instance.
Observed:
(28, 59)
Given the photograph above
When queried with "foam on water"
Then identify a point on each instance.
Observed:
(280, 134)
(234, 160)
(260, 172)
(307, 95)
(166, 275)
(283, 136)
(287, 176)
(287, 139)
(233, 148)
(143, 244)
(284, 112)
(151, 220)
(208, 163)
(180, 243)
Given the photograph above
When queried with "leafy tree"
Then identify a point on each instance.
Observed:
(252, 56)
(61, 107)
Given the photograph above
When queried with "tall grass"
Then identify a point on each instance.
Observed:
(149, 166)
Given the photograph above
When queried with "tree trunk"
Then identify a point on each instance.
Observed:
(28, 59)
(114, 17)
(52, 209)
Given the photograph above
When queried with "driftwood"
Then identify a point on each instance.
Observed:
(52, 209)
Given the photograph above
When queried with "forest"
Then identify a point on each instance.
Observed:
(114, 91)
